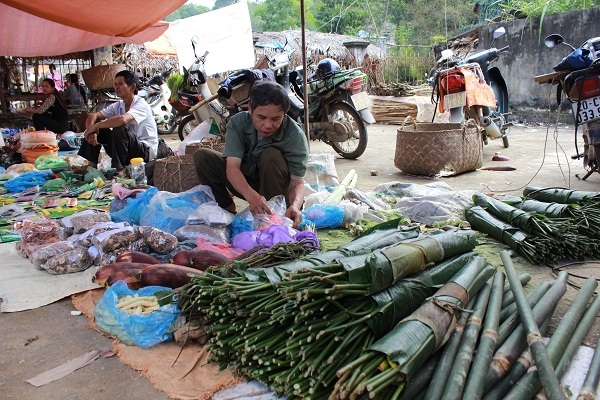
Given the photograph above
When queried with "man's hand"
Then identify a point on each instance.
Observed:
(259, 205)
(91, 136)
(295, 215)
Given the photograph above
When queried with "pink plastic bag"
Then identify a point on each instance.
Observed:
(218, 247)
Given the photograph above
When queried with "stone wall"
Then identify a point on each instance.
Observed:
(529, 57)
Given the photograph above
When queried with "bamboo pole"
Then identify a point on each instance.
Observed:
(534, 338)
(447, 356)
(588, 391)
(508, 297)
(511, 348)
(460, 368)
(532, 298)
(530, 384)
(422, 378)
(487, 344)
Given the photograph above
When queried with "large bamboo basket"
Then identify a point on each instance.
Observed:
(434, 148)
(175, 174)
(101, 76)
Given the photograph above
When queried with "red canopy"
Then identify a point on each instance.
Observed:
(32, 29)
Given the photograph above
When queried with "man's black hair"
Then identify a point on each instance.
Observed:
(264, 93)
(130, 78)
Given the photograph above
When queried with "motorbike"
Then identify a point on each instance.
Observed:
(577, 76)
(338, 106)
(338, 103)
(156, 93)
(469, 88)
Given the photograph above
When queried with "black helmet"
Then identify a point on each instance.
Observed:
(326, 67)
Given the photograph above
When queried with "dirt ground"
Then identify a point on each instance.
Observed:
(34, 341)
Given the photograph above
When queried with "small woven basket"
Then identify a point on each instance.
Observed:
(433, 148)
(175, 174)
(215, 143)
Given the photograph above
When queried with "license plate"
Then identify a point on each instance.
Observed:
(361, 101)
(589, 110)
(455, 100)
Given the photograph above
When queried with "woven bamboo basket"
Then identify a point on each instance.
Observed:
(175, 174)
(434, 148)
(216, 143)
(101, 76)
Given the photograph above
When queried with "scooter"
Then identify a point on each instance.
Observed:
(157, 94)
(578, 77)
(468, 88)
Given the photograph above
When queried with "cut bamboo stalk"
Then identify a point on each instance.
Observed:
(532, 298)
(460, 368)
(534, 338)
(511, 348)
(590, 385)
(487, 344)
(508, 297)
(421, 379)
(447, 356)
(519, 368)
(573, 326)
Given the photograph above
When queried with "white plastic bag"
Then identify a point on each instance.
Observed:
(199, 133)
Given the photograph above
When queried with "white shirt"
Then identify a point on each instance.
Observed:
(143, 125)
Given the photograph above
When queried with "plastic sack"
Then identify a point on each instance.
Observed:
(140, 330)
(169, 211)
(134, 208)
(26, 181)
(324, 215)
(222, 248)
(199, 133)
(75, 260)
(49, 162)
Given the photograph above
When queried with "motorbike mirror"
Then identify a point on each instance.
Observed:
(553, 40)
(499, 32)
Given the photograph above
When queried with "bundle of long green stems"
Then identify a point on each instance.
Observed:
(543, 240)
(264, 332)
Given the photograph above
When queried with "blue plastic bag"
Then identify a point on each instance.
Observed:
(324, 215)
(578, 59)
(132, 211)
(140, 330)
(27, 180)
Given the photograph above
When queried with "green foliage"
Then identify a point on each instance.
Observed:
(223, 3)
(538, 8)
(185, 11)
(275, 15)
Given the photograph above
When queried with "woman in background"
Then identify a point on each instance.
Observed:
(52, 114)
(74, 93)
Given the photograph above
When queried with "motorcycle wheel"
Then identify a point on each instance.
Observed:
(355, 146)
(165, 128)
(187, 125)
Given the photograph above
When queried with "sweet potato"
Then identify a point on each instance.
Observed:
(199, 259)
(136, 257)
(169, 275)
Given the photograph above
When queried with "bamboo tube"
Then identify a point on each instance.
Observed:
(508, 297)
(588, 391)
(421, 379)
(487, 343)
(514, 345)
(532, 298)
(530, 384)
(460, 368)
(519, 368)
(534, 338)
(448, 353)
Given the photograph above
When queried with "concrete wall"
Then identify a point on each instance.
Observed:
(528, 56)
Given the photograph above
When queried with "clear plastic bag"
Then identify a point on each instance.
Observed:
(140, 330)
(41, 255)
(210, 214)
(209, 233)
(115, 239)
(75, 260)
(324, 215)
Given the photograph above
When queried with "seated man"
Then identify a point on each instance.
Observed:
(126, 129)
(265, 155)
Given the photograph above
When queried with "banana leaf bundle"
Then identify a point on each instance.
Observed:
(534, 249)
(561, 235)
(383, 369)
(564, 196)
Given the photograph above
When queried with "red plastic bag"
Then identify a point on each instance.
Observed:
(218, 247)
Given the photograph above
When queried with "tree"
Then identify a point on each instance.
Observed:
(276, 15)
(223, 3)
(185, 11)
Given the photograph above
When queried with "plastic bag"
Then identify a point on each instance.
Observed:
(140, 330)
(43, 254)
(324, 215)
(210, 233)
(75, 260)
(222, 248)
(210, 214)
(134, 208)
(159, 241)
(26, 181)
(49, 162)
(169, 211)
(578, 59)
